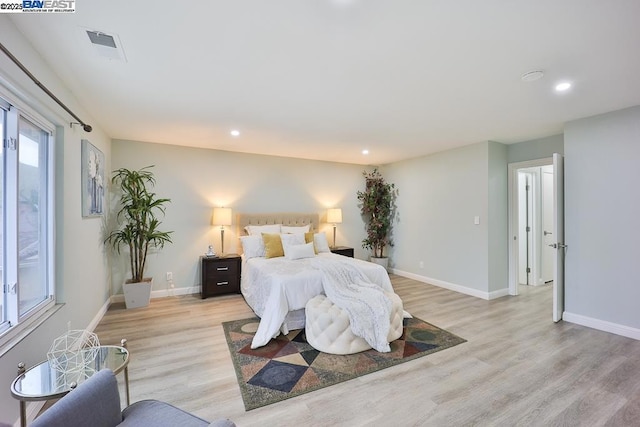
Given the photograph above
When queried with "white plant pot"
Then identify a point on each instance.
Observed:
(384, 261)
(137, 294)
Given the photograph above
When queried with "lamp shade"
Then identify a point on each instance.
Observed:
(334, 216)
(221, 216)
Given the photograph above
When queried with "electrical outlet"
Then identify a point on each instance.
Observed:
(421, 264)
(169, 276)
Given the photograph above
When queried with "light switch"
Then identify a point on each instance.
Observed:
(476, 220)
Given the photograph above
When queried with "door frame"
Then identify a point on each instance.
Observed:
(512, 188)
(558, 230)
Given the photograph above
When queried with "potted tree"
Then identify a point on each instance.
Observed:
(378, 209)
(138, 229)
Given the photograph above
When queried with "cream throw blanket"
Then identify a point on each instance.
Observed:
(364, 302)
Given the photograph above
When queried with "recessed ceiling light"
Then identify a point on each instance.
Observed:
(343, 3)
(562, 87)
(532, 76)
(365, 152)
(235, 132)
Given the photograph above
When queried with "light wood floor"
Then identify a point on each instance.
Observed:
(517, 368)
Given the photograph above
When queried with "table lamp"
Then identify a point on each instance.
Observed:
(334, 216)
(222, 217)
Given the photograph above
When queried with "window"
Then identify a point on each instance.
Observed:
(26, 217)
(3, 311)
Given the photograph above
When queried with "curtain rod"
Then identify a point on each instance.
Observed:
(86, 127)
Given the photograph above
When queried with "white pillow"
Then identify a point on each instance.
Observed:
(292, 239)
(290, 229)
(299, 251)
(320, 240)
(259, 229)
(252, 246)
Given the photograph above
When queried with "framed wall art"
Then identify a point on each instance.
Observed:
(93, 180)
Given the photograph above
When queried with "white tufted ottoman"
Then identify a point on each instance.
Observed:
(328, 329)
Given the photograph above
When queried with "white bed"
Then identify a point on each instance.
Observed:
(277, 289)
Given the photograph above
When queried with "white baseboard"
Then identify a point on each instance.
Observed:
(499, 293)
(162, 293)
(452, 286)
(99, 315)
(602, 325)
(116, 298)
(174, 292)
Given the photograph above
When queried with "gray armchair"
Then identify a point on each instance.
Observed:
(96, 403)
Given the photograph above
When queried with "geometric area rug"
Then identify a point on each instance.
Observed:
(288, 366)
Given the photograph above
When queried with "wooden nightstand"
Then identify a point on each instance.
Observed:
(342, 250)
(220, 275)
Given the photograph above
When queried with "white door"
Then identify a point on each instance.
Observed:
(558, 232)
(548, 253)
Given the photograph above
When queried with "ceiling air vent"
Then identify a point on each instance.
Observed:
(106, 45)
(102, 39)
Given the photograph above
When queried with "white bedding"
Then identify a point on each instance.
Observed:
(367, 305)
(276, 286)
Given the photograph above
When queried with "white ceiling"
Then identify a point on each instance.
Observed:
(324, 79)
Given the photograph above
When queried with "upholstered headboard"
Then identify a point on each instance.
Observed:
(284, 218)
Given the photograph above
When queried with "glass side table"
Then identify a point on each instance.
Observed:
(42, 382)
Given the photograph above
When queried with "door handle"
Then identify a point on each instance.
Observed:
(558, 246)
(546, 233)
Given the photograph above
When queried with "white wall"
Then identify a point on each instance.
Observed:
(81, 268)
(601, 220)
(196, 180)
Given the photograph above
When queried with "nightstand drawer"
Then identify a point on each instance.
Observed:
(222, 268)
(221, 285)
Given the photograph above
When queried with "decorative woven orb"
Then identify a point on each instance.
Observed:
(74, 352)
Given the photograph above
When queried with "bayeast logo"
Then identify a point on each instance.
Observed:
(48, 5)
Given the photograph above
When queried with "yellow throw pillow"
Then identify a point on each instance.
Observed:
(272, 245)
(308, 238)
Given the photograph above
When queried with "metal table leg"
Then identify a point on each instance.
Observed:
(23, 404)
(23, 413)
(123, 343)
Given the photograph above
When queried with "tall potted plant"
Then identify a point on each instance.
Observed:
(138, 229)
(378, 209)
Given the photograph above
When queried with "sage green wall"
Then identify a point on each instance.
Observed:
(601, 215)
(498, 218)
(535, 149)
(81, 268)
(439, 197)
(196, 180)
